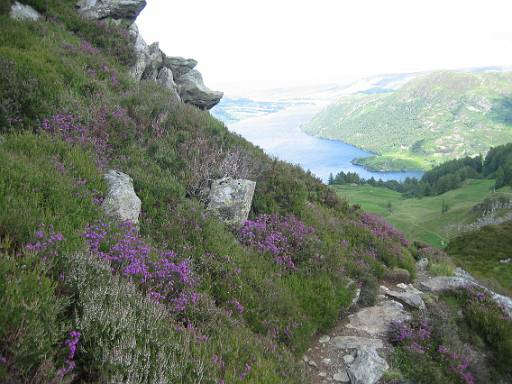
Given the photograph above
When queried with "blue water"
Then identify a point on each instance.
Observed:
(279, 135)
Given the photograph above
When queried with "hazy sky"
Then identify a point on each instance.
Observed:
(245, 44)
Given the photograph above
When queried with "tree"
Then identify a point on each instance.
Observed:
(500, 177)
(331, 179)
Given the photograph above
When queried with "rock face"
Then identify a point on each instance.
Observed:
(115, 9)
(367, 368)
(193, 91)
(177, 74)
(231, 200)
(179, 65)
(23, 12)
(166, 79)
(121, 202)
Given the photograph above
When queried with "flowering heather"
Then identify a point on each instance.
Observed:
(71, 130)
(71, 344)
(164, 277)
(283, 237)
(382, 229)
(46, 242)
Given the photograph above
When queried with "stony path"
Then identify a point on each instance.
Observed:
(355, 351)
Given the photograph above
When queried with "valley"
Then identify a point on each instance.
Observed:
(433, 118)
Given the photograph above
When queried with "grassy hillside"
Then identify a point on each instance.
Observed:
(481, 251)
(183, 299)
(433, 118)
(422, 219)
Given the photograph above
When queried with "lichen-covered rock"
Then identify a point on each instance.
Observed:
(231, 200)
(444, 283)
(115, 9)
(166, 79)
(23, 12)
(412, 299)
(376, 320)
(179, 65)
(154, 62)
(121, 202)
(367, 368)
(193, 91)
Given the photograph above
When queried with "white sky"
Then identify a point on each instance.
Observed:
(246, 45)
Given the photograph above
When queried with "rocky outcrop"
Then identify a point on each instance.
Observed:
(231, 200)
(121, 202)
(115, 9)
(193, 91)
(23, 12)
(367, 368)
(166, 79)
(177, 74)
(376, 320)
(179, 65)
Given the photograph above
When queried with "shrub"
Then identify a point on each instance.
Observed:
(397, 275)
(32, 325)
(286, 239)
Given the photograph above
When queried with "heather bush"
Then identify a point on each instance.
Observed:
(463, 338)
(286, 239)
(32, 322)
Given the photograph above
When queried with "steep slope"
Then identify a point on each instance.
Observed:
(432, 118)
(182, 297)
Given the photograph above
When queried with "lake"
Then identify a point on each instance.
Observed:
(279, 135)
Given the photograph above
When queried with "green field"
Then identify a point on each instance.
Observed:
(431, 119)
(422, 219)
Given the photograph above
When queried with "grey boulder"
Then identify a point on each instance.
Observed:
(367, 368)
(231, 200)
(376, 320)
(166, 79)
(23, 12)
(179, 65)
(116, 9)
(121, 202)
(411, 299)
(193, 91)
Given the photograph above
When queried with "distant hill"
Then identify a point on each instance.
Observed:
(432, 118)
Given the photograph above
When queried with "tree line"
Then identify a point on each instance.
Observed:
(447, 176)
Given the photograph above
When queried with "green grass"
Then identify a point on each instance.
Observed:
(481, 251)
(393, 162)
(422, 219)
(429, 120)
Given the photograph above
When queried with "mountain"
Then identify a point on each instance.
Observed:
(432, 118)
(141, 242)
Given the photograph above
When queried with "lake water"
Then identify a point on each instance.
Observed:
(279, 134)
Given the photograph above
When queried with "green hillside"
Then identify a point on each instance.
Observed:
(433, 118)
(423, 219)
(182, 297)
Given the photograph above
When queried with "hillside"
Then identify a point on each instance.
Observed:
(423, 219)
(142, 242)
(432, 118)
(161, 289)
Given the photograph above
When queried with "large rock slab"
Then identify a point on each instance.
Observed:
(193, 91)
(166, 79)
(356, 342)
(115, 9)
(231, 200)
(121, 202)
(367, 368)
(376, 320)
(179, 65)
(411, 299)
(23, 12)
(444, 283)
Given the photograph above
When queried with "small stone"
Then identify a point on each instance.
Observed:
(348, 359)
(506, 261)
(326, 361)
(341, 377)
(402, 286)
(312, 363)
(322, 374)
(384, 288)
(305, 358)
(324, 339)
